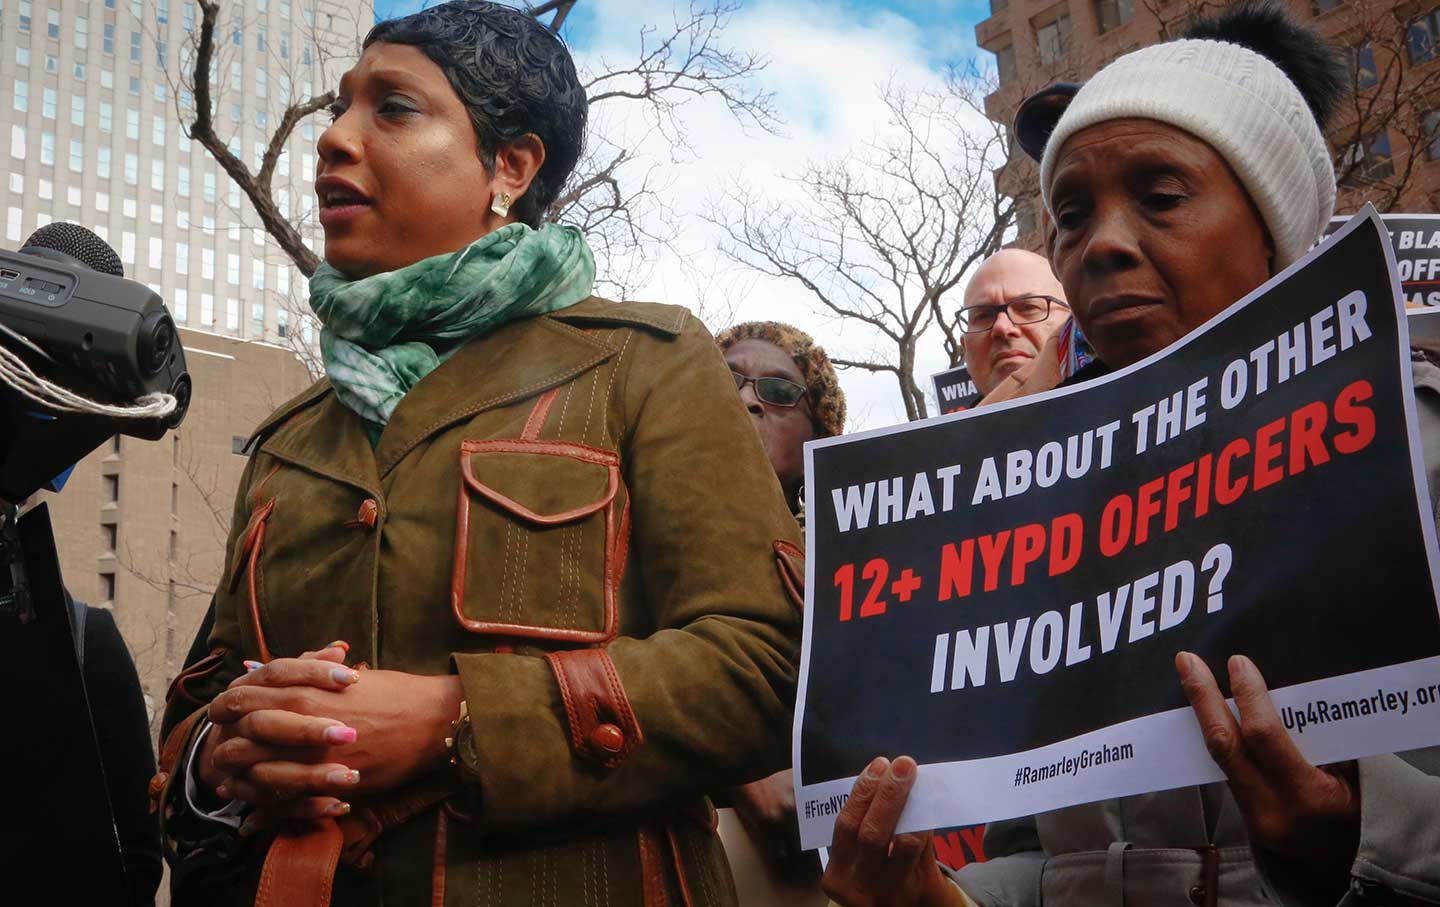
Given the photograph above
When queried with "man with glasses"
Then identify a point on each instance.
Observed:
(1012, 306)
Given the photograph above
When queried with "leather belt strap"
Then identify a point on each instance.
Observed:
(300, 868)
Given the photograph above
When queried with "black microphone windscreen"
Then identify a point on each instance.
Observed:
(78, 243)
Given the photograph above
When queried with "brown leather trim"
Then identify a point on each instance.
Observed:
(200, 669)
(609, 460)
(613, 549)
(685, 896)
(258, 515)
(170, 750)
(790, 562)
(652, 870)
(603, 727)
(539, 414)
(255, 492)
(255, 542)
(299, 870)
(437, 878)
(175, 740)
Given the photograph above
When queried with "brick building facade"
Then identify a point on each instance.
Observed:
(1385, 137)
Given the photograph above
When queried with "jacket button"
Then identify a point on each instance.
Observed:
(608, 737)
(369, 510)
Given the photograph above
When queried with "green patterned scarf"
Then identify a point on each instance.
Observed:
(382, 334)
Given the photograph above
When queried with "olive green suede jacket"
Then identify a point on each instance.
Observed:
(575, 516)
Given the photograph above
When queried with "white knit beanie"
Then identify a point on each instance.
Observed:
(1240, 104)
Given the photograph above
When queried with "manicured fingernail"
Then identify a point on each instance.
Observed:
(876, 768)
(339, 809)
(344, 675)
(340, 735)
(222, 790)
(343, 776)
(251, 665)
(901, 768)
(339, 644)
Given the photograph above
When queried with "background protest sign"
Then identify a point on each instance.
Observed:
(1003, 599)
(954, 390)
(1416, 239)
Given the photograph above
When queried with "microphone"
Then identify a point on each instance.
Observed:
(84, 354)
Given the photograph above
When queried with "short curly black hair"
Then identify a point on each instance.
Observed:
(513, 75)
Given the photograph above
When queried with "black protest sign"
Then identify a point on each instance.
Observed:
(1001, 593)
(1416, 238)
(954, 390)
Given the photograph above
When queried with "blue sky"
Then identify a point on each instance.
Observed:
(952, 21)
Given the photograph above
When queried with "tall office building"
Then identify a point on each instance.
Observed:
(93, 102)
(95, 117)
(1386, 136)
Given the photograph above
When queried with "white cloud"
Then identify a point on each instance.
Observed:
(825, 68)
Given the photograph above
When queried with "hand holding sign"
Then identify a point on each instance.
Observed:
(871, 866)
(1291, 808)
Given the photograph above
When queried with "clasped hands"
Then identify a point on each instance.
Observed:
(1306, 814)
(297, 738)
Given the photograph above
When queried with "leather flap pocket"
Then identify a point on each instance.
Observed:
(543, 482)
(535, 546)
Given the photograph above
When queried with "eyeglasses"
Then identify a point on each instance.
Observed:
(775, 391)
(977, 319)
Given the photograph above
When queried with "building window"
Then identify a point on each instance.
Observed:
(208, 193)
(182, 305)
(135, 85)
(1053, 38)
(26, 11)
(232, 314)
(182, 258)
(1361, 60)
(22, 56)
(47, 148)
(22, 95)
(12, 224)
(132, 170)
(1368, 160)
(183, 182)
(282, 323)
(207, 264)
(1005, 64)
(1422, 36)
(77, 110)
(107, 587)
(107, 39)
(78, 71)
(48, 104)
(112, 489)
(127, 247)
(1432, 135)
(132, 124)
(107, 116)
(109, 535)
(102, 169)
(1113, 13)
(47, 189)
(257, 275)
(157, 253)
(17, 142)
(207, 309)
(82, 33)
(102, 199)
(52, 24)
(157, 131)
(232, 268)
(77, 156)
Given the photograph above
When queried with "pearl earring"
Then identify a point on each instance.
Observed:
(501, 204)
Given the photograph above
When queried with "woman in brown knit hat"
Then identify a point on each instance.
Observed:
(791, 391)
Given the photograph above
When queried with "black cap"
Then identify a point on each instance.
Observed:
(1037, 115)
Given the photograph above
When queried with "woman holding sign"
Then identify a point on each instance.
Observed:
(1180, 178)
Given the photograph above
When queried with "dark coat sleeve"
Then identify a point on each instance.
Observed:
(122, 729)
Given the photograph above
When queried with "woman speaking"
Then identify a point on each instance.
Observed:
(536, 523)
(1180, 178)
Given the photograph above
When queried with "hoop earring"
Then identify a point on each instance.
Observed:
(501, 204)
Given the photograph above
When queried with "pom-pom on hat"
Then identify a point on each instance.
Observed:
(827, 400)
(1240, 102)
